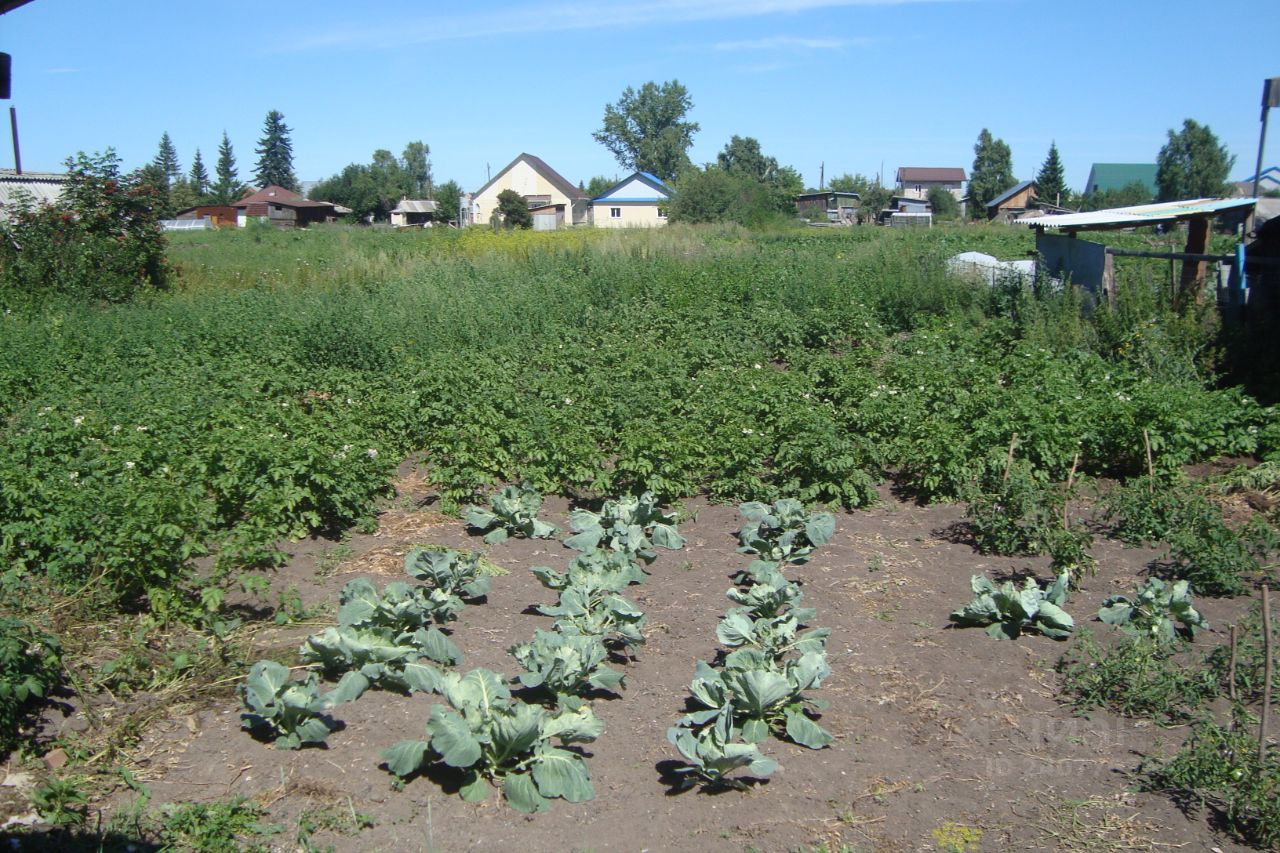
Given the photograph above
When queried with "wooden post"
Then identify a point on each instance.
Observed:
(1191, 287)
(1267, 670)
(1008, 463)
(1109, 278)
(1071, 478)
(1151, 470)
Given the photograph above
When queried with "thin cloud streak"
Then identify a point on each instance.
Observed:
(782, 43)
(562, 17)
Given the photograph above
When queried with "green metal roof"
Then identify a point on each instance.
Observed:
(1116, 176)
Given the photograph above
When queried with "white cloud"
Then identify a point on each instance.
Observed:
(566, 16)
(783, 43)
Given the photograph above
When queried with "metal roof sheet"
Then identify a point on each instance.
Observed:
(41, 187)
(1142, 214)
(413, 205)
(1009, 193)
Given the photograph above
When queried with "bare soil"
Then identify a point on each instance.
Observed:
(933, 725)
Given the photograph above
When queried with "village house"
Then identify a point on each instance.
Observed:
(39, 187)
(414, 212)
(829, 206)
(1106, 177)
(1013, 202)
(555, 202)
(219, 215)
(283, 208)
(916, 181)
(637, 201)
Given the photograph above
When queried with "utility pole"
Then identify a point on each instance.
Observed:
(1270, 98)
(822, 175)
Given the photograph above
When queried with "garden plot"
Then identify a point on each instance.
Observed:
(941, 736)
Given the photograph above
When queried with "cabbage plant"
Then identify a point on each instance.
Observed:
(1009, 611)
(453, 575)
(766, 696)
(583, 610)
(712, 753)
(607, 571)
(773, 636)
(566, 665)
(1159, 610)
(783, 532)
(512, 512)
(492, 738)
(294, 712)
(631, 525)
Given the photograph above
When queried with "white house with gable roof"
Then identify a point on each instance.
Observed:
(638, 201)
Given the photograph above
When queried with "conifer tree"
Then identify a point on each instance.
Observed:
(275, 154)
(199, 178)
(992, 172)
(227, 188)
(166, 160)
(1050, 180)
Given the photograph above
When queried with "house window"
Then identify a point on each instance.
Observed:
(918, 188)
(662, 213)
(615, 213)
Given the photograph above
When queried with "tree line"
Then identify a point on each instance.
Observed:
(648, 130)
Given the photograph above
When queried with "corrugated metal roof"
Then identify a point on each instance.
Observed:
(1009, 193)
(413, 205)
(1142, 214)
(42, 187)
(1117, 176)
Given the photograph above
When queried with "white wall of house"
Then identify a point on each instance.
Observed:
(525, 181)
(627, 214)
(920, 189)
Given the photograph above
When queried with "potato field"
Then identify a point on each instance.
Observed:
(693, 539)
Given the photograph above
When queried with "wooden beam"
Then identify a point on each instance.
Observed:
(1191, 286)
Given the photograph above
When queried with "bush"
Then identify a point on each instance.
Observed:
(100, 241)
(1136, 677)
(1220, 767)
(30, 667)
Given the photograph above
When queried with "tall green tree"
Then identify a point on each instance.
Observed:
(944, 203)
(992, 172)
(646, 129)
(598, 186)
(199, 177)
(166, 160)
(1192, 164)
(416, 164)
(228, 187)
(1051, 184)
(275, 154)
(448, 197)
(513, 210)
(847, 183)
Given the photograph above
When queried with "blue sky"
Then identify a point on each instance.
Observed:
(862, 85)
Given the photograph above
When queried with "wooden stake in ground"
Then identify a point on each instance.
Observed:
(1231, 669)
(1266, 678)
(1151, 474)
(1071, 479)
(1008, 462)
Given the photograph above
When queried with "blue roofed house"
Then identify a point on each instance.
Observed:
(1268, 182)
(637, 201)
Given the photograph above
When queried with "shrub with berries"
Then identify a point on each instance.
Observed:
(101, 240)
